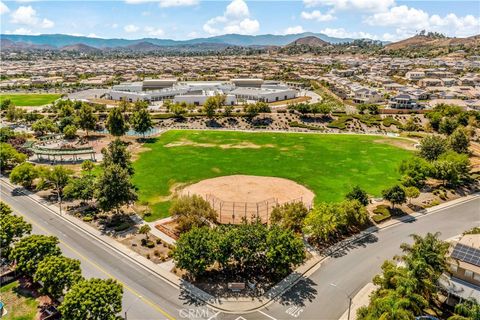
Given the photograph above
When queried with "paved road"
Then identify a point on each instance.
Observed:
(312, 298)
(158, 299)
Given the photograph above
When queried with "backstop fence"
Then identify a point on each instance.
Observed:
(233, 212)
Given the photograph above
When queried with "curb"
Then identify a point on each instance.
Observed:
(271, 295)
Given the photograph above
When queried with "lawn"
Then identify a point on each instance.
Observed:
(327, 164)
(30, 99)
(19, 304)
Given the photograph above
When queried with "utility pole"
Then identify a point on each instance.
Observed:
(349, 297)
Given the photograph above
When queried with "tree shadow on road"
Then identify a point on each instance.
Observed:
(342, 249)
(188, 296)
(299, 294)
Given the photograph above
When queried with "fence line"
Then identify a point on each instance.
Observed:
(235, 212)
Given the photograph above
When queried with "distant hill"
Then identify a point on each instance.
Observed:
(143, 46)
(79, 47)
(9, 44)
(62, 40)
(311, 41)
(423, 41)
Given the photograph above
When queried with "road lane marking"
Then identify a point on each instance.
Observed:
(149, 302)
(266, 315)
(214, 316)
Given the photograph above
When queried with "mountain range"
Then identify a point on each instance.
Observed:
(62, 40)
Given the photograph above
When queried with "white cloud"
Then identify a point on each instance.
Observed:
(3, 8)
(408, 21)
(362, 5)
(167, 3)
(294, 30)
(131, 28)
(46, 24)
(154, 32)
(92, 35)
(26, 15)
(342, 33)
(114, 26)
(21, 31)
(317, 15)
(177, 3)
(235, 19)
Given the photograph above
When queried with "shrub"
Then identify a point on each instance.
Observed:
(122, 227)
(150, 244)
(381, 213)
(87, 219)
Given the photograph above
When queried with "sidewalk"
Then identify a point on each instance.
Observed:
(232, 304)
(361, 299)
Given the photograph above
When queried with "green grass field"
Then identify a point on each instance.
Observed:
(329, 165)
(19, 303)
(30, 99)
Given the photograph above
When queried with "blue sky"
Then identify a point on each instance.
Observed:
(184, 19)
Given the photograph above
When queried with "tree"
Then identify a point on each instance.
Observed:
(467, 309)
(116, 153)
(5, 210)
(426, 260)
(353, 213)
(9, 156)
(395, 194)
(86, 119)
(57, 274)
(82, 188)
(116, 124)
(210, 106)
(416, 171)
(193, 251)
(284, 250)
(405, 290)
(30, 250)
(431, 147)
(412, 193)
(359, 194)
(322, 222)
(192, 211)
(58, 177)
(228, 110)
(6, 133)
(448, 125)
(13, 227)
(452, 168)
(458, 141)
(87, 166)
(43, 126)
(253, 109)
(178, 110)
(5, 104)
(289, 216)
(93, 299)
(145, 229)
(24, 174)
(13, 113)
(141, 121)
(70, 131)
(114, 189)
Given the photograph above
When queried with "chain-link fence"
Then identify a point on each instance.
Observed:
(233, 212)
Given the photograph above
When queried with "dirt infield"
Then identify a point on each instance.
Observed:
(241, 196)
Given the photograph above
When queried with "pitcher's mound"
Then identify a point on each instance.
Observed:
(251, 189)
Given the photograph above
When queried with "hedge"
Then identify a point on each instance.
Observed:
(381, 213)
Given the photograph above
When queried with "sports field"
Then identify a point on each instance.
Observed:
(329, 165)
(30, 99)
